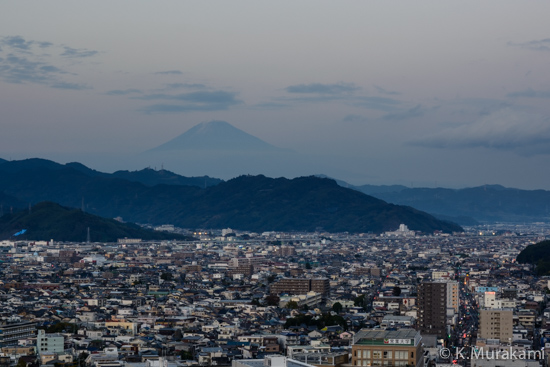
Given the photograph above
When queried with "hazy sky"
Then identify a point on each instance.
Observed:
(423, 93)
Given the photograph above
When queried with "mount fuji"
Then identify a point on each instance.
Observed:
(216, 136)
(219, 148)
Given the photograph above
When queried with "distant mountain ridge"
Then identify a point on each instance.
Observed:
(487, 203)
(146, 176)
(254, 203)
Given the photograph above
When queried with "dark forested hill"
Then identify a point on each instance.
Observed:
(49, 220)
(538, 255)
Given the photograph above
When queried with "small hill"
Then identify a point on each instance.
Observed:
(49, 220)
(302, 204)
(538, 255)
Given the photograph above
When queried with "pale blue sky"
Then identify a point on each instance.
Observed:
(424, 93)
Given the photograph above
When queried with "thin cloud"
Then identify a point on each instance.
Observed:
(25, 62)
(507, 129)
(535, 45)
(318, 88)
(417, 111)
(72, 86)
(189, 85)
(175, 86)
(174, 108)
(530, 93)
(355, 118)
(312, 98)
(18, 42)
(19, 70)
(169, 72)
(218, 96)
(77, 53)
(194, 101)
(378, 103)
(44, 44)
(123, 92)
(271, 106)
(385, 91)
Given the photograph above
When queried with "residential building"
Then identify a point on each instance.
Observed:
(432, 308)
(295, 286)
(12, 330)
(496, 324)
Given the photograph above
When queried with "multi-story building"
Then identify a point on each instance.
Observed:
(432, 308)
(295, 286)
(241, 269)
(288, 250)
(488, 300)
(387, 348)
(452, 295)
(311, 299)
(321, 285)
(248, 260)
(496, 324)
(334, 359)
(49, 343)
(13, 330)
(526, 318)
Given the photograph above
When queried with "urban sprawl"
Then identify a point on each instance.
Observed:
(240, 299)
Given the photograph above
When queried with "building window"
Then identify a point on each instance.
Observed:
(401, 354)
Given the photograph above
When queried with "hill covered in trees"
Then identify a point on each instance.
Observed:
(49, 220)
(538, 255)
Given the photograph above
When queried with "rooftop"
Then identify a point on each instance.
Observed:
(387, 337)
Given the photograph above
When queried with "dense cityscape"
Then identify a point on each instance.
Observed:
(237, 298)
